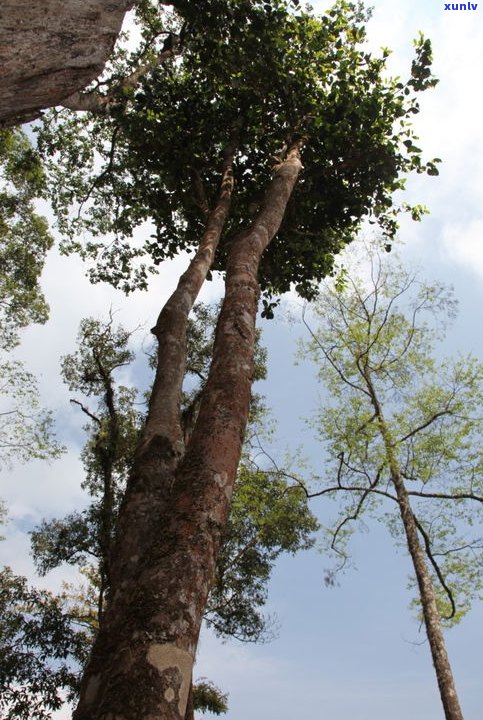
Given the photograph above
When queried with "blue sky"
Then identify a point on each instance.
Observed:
(353, 652)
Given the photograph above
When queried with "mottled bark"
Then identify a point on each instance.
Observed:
(167, 548)
(432, 621)
(52, 49)
(190, 708)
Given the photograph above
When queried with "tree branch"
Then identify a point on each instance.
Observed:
(86, 411)
(446, 496)
(330, 360)
(95, 102)
(424, 425)
(429, 553)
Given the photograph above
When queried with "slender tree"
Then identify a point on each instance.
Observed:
(402, 428)
(172, 153)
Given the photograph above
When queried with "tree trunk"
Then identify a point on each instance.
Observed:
(175, 510)
(444, 675)
(51, 49)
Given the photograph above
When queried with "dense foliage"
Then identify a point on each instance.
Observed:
(268, 76)
(24, 236)
(25, 429)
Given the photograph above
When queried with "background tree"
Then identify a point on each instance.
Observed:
(172, 153)
(403, 430)
(21, 182)
(25, 429)
(40, 649)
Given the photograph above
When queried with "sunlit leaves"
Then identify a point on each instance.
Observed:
(375, 338)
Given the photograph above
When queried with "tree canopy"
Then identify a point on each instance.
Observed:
(268, 76)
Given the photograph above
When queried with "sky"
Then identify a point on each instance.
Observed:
(353, 652)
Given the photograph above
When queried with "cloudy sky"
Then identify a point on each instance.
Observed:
(353, 652)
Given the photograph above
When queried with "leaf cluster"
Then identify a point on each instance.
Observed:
(26, 430)
(267, 519)
(209, 698)
(38, 649)
(24, 236)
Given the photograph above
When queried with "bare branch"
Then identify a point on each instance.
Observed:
(348, 518)
(86, 411)
(446, 496)
(430, 556)
(477, 545)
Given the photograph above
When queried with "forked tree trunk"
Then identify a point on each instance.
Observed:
(432, 621)
(175, 510)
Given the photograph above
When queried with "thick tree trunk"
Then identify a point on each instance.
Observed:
(141, 665)
(51, 49)
(444, 675)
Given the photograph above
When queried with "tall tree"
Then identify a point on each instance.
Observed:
(171, 153)
(403, 429)
(266, 520)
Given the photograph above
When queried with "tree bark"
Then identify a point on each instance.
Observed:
(141, 666)
(444, 675)
(51, 49)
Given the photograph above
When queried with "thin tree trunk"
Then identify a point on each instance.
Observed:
(444, 675)
(142, 661)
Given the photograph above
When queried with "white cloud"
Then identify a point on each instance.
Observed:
(463, 244)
